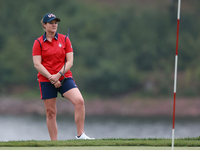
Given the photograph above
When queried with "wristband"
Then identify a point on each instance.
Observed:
(60, 73)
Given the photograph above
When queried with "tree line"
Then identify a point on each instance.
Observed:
(117, 50)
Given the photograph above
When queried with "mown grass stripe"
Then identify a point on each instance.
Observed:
(189, 142)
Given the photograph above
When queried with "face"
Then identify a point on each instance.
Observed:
(51, 26)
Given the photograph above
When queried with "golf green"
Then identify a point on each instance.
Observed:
(100, 148)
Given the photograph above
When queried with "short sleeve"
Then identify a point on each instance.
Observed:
(36, 48)
(68, 45)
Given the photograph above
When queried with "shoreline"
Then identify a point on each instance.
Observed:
(185, 107)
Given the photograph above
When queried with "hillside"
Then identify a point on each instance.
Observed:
(119, 46)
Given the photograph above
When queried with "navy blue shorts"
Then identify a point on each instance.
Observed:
(48, 90)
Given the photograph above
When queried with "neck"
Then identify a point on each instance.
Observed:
(50, 35)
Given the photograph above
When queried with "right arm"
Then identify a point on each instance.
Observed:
(37, 59)
(41, 69)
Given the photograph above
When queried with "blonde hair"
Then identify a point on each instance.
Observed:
(42, 25)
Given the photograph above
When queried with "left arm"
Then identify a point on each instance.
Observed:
(69, 62)
(68, 65)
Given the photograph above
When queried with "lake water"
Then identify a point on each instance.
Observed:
(34, 127)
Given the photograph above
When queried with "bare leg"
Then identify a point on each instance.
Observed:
(51, 111)
(74, 95)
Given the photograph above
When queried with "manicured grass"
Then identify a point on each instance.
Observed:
(182, 142)
(100, 148)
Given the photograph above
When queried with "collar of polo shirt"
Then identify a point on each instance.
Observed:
(45, 38)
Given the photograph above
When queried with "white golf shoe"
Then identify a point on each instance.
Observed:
(84, 137)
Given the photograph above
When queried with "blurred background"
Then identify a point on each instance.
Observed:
(124, 53)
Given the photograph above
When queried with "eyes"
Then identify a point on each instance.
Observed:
(53, 22)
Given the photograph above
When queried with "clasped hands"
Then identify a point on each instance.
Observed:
(54, 79)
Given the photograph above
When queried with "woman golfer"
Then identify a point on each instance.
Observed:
(52, 57)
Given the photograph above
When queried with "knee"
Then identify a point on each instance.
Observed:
(80, 102)
(50, 114)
